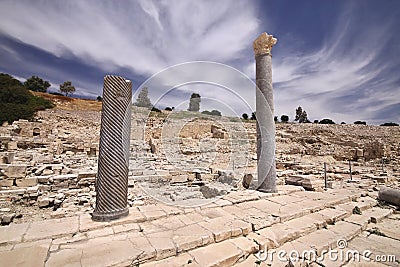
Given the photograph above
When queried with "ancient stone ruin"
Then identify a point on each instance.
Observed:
(188, 189)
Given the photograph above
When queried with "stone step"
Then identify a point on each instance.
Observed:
(319, 241)
(218, 234)
(274, 236)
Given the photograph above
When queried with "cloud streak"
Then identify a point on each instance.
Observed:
(112, 34)
(348, 72)
(345, 79)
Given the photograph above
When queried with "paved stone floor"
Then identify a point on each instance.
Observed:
(234, 230)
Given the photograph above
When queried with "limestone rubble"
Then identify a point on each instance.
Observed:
(48, 166)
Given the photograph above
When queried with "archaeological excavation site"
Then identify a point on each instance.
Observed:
(108, 183)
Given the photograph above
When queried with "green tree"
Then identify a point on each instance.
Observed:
(143, 99)
(253, 116)
(37, 84)
(245, 116)
(304, 117)
(67, 88)
(16, 102)
(275, 118)
(99, 98)
(284, 118)
(301, 116)
(299, 112)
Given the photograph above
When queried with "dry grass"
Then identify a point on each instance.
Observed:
(69, 103)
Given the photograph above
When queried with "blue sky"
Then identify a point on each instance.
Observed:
(336, 59)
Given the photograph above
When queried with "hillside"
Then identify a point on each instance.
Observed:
(69, 103)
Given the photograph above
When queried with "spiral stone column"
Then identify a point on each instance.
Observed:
(266, 169)
(112, 176)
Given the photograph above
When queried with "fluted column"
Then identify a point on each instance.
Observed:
(265, 114)
(112, 176)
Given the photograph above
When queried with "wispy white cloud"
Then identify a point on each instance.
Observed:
(339, 80)
(344, 79)
(144, 36)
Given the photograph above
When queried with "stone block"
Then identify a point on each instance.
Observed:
(13, 233)
(6, 182)
(247, 179)
(45, 202)
(12, 145)
(26, 182)
(52, 228)
(163, 244)
(220, 254)
(15, 171)
(179, 179)
(25, 256)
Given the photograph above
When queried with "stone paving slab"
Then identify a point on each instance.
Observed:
(157, 232)
(25, 256)
(184, 259)
(391, 228)
(13, 233)
(52, 228)
(224, 253)
(378, 245)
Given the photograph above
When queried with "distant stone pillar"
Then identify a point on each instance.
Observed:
(265, 114)
(112, 176)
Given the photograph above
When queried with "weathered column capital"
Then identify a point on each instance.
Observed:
(263, 44)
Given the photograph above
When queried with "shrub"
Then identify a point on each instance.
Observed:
(360, 122)
(389, 124)
(37, 84)
(213, 112)
(56, 93)
(168, 109)
(327, 121)
(155, 109)
(245, 116)
(284, 118)
(316, 121)
(16, 102)
(275, 118)
(8, 81)
(253, 116)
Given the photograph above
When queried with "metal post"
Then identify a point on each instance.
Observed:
(112, 176)
(326, 182)
(351, 175)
